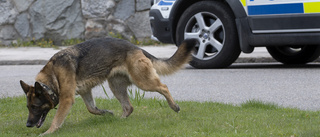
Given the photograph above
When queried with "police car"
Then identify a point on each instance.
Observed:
(289, 29)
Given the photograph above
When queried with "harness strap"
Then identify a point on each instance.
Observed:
(51, 95)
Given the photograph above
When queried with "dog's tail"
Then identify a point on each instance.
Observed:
(177, 61)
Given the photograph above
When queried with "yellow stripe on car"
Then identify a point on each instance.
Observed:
(244, 3)
(311, 7)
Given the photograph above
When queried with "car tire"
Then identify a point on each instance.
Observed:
(213, 24)
(295, 55)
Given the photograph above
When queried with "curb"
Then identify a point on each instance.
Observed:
(23, 62)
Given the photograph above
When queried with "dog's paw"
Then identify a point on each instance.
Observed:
(97, 111)
(104, 112)
(177, 108)
(43, 134)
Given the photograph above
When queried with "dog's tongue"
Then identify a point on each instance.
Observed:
(40, 123)
(43, 117)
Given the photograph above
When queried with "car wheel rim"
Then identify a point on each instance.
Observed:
(209, 31)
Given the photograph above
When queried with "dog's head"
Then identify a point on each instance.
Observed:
(40, 100)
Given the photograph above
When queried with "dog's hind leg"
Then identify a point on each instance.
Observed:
(91, 105)
(156, 85)
(145, 77)
(118, 85)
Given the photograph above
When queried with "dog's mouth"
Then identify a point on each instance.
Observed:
(41, 120)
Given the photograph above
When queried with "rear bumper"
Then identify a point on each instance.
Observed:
(161, 27)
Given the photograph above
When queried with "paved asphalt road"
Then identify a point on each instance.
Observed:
(289, 86)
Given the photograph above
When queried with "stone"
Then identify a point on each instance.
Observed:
(97, 8)
(22, 5)
(22, 25)
(6, 42)
(143, 5)
(8, 12)
(66, 19)
(75, 24)
(140, 25)
(58, 19)
(76, 29)
(95, 29)
(37, 21)
(8, 33)
(124, 9)
(117, 26)
(54, 12)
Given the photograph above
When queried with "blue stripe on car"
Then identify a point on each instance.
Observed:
(276, 9)
(163, 3)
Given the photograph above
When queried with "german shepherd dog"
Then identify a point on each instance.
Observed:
(79, 68)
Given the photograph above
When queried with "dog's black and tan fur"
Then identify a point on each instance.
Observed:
(80, 68)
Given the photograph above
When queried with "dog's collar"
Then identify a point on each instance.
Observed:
(51, 95)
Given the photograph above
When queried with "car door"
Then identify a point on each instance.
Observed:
(283, 16)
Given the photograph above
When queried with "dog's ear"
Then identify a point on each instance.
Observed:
(38, 88)
(25, 87)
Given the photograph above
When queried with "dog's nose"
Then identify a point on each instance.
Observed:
(29, 124)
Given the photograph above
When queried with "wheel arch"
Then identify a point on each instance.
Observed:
(237, 8)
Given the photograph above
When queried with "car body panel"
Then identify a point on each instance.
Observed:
(259, 22)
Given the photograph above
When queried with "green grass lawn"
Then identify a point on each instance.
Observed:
(153, 117)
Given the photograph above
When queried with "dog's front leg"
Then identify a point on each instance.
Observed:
(63, 110)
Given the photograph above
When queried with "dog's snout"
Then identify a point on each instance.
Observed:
(29, 124)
